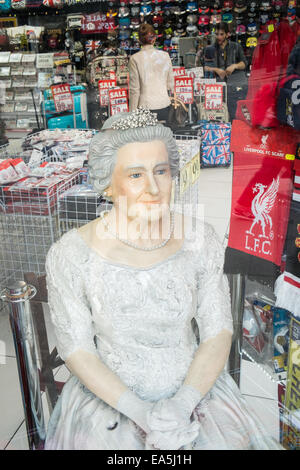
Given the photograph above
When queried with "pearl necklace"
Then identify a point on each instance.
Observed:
(133, 245)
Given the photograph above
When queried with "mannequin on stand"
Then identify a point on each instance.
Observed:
(141, 311)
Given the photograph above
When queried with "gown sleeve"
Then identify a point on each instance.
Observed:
(213, 301)
(69, 310)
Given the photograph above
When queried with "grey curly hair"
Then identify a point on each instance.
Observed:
(104, 146)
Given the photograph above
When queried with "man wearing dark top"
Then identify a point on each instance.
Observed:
(229, 66)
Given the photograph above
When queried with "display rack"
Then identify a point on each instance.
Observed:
(186, 188)
(28, 227)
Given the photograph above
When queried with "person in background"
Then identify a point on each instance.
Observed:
(150, 76)
(230, 65)
(209, 60)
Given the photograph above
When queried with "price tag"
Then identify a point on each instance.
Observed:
(195, 168)
(44, 79)
(213, 96)
(185, 178)
(44, 61)
(62, 97)
(15, 58)
(28, 58)
(184, 89)
(112, 75)
(104, 86)
(118, 100)
(201, 84)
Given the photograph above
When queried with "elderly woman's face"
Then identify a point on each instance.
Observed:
(142, 179)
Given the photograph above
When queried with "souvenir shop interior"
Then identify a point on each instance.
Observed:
(64, 69)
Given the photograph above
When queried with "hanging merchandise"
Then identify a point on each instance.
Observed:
(265, 5)
(34, 3)
(261, 193)
(192, 30)
(54, 3)
(192, 7)
(240, 6)
(203, 20)
(227, 17)
(215, 19)
(124, 23)
(227, 5)
(252, 10)
(252, 29)
(100, 68)
(123, 12)
(270, 59)
(251, 42)
(288, 109)
(240, 30)
(145, 10)
(74, 21)
(15, 5)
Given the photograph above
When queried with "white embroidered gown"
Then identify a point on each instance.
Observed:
(139, 321)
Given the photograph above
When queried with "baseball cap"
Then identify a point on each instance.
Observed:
(203, 20)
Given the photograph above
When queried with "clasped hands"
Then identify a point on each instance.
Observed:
(167, 423)
(222, 73)
(170, 424)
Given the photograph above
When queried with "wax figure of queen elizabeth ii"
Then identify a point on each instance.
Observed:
(122, 303)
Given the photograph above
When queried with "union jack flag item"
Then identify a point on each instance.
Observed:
(215, 155)
(215, 145)
(92, 45)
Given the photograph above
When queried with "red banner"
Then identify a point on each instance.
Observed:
(62, 97)
(96, 23)
(261, 190)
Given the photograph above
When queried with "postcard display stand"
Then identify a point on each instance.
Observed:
(22, 75)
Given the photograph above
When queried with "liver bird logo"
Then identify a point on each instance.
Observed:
(261, 206)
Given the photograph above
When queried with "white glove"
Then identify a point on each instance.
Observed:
(134, 408)
(173, 440)
(174, 413)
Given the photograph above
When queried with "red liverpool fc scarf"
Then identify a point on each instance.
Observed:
(261, 194)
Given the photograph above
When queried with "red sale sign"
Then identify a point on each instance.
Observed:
(179, 72)
(62, 97)
(184, 89)
(118, 99)
(213, 96)
(96, 23)
(104, 86)
(261, 190)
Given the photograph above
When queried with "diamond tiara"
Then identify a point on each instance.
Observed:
(140, 117)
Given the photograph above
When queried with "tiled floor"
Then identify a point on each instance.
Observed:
(215, 195)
